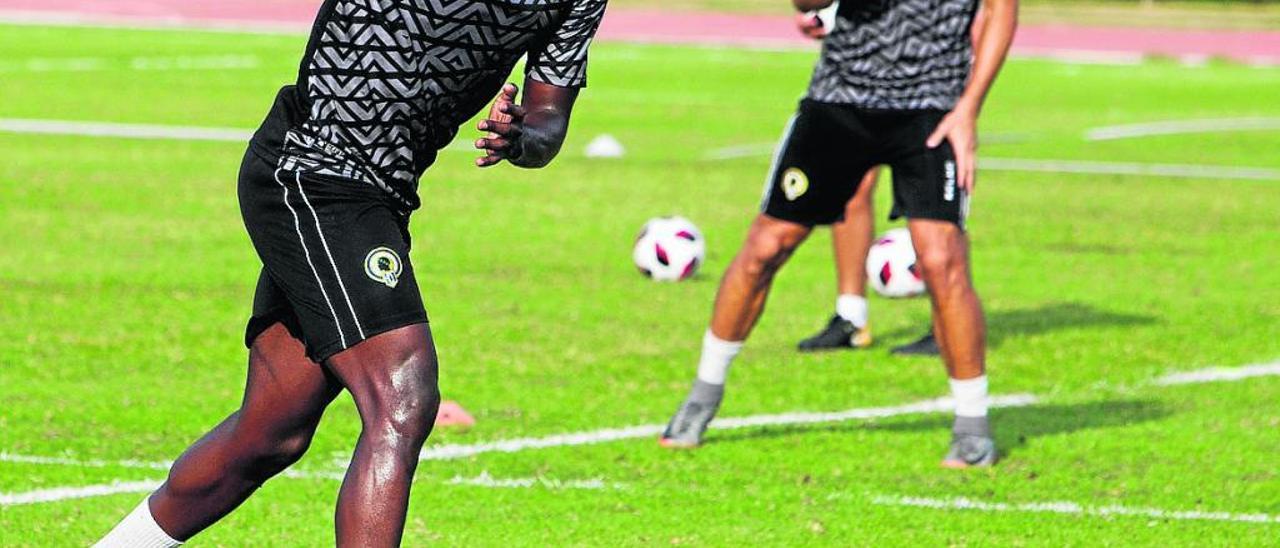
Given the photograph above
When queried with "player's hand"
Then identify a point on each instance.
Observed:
(809, 24)
(960, 128)
(504, 127)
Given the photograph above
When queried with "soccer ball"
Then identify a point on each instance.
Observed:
(669, 249)
(891, 265)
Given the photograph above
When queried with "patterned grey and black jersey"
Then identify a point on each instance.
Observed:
(386, 83)
(896, 54)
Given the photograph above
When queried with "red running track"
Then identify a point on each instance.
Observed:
(1259, 47)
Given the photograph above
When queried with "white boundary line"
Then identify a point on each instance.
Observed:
(1070, 508)
(449, 452)
(1220, 374)
(457, 451)
(1190, 171)
(69, 493)
(1080, 167)
(73, 128)
(1181, 127)
(486, 480)
(124, 131)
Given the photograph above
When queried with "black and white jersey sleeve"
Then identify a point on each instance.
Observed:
(562, 60)
(385, 84)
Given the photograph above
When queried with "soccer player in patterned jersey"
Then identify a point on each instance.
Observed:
(326, 189)
(899, 83)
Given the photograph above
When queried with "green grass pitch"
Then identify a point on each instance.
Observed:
(126, 277)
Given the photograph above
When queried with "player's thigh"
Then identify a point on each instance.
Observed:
(925, 179)
(286, 393)
(821, 161)
(393, 377)
(337, 254)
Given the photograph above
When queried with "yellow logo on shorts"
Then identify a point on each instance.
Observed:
(794, 183)
(383, 265)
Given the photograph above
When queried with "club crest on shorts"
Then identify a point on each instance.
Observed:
(794, 183)
(384, 266)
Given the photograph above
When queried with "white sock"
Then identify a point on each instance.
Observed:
(852, 308)
(717, 354)
(970, 396)
(138, 530)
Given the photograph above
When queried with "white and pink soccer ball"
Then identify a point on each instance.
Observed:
(669, 249)
(891, 266)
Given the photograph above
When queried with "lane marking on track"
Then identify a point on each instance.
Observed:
(1220, 374)
(143, 23)
(148, 63)
(1070, 508)
(1181, 127)
(448, 452)
(1082, 57)
(68, 493)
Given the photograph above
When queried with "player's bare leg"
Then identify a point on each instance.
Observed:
(285, 396)
(942, 251)
(739, 303)
(851, 238)
(392, 378)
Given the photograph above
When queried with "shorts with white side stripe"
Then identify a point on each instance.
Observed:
(335, 258)
(827, 149)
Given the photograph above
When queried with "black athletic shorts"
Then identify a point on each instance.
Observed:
(335, 258)
(828, 148)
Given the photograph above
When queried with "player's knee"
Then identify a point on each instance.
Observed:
(766, 252)
(409, 401)
(274, 455)
(942, 266)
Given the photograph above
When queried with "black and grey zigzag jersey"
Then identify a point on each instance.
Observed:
(385, 83)
(896, 54)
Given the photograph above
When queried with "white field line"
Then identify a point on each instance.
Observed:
(137, 464)
(1181, 127)
(448, 452)
(740, 151)
(124, 131)
(1071, 508)
(1220, 374)
(752, 150)
(486, 480)
(150, 131)
(1192, 171)
(84, 463)
(85, 64)
(55, 494)
(68, 493)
